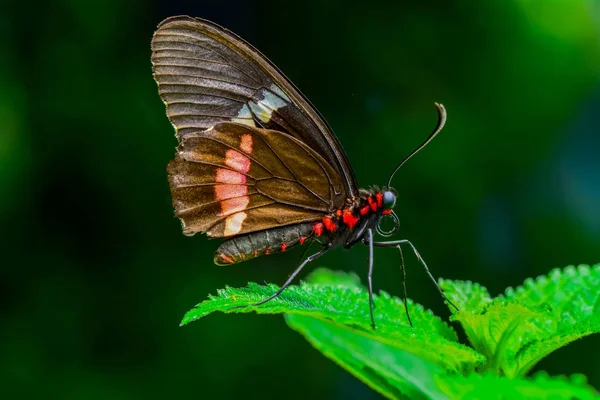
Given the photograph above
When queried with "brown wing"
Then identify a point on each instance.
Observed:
(208, 75)
(234, 178)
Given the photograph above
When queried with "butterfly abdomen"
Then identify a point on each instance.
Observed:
(245, 247)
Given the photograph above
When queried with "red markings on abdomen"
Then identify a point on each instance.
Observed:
(251, 245)
(225, 259)
(318, 228)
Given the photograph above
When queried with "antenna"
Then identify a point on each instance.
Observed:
(440, 125)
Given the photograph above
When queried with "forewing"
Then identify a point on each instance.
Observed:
(233, 179)
(208, 75)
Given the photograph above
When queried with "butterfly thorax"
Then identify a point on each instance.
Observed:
(348, 225)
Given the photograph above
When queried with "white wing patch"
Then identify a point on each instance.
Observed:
(264, 108)
(244, 117)
(273, 98)
(233, 223)
(279, 92)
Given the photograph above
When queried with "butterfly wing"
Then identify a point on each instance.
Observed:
(233, 178)
(207, 75)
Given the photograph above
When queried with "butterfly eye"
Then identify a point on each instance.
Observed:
(389, 200)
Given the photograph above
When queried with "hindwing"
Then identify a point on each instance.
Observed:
(234, 178)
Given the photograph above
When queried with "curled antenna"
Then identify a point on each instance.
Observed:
(440, 125)
(390, 232)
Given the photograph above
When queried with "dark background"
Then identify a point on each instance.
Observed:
(96, 273)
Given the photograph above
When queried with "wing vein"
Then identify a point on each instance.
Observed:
(208, 203)
(163, 63)
(294, 174)
(161, 74)
(214, 51)
(203, 94)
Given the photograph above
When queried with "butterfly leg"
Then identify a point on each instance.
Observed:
(294, 274)
(371, 304)
(370, 276)
(397, 243)
(404, 291)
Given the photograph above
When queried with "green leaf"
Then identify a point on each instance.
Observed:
(324, 276)
(516, 331)
(489, 387)
(465, 295)
(569, 303)
(338, 300)
(392, 372)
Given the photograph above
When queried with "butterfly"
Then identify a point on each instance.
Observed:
(256, 163)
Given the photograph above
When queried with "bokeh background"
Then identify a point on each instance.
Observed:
(96, 273)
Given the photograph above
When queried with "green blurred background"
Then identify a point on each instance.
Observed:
(96, 273)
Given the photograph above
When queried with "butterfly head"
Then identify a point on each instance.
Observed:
(387, 200)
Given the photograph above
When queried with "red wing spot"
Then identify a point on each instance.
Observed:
(246, 143)
(349, 218)
(318, 228)
(364, 210)
(302, 239)
(338, 213)
(268, 250)
(227, 259)
(234, 205)
(284, 246)
(255, 253)
(228, 176)
(329, 224)
(386, 212)
(379, 200)
(372, 204)
(237, 161)
(224, 192)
